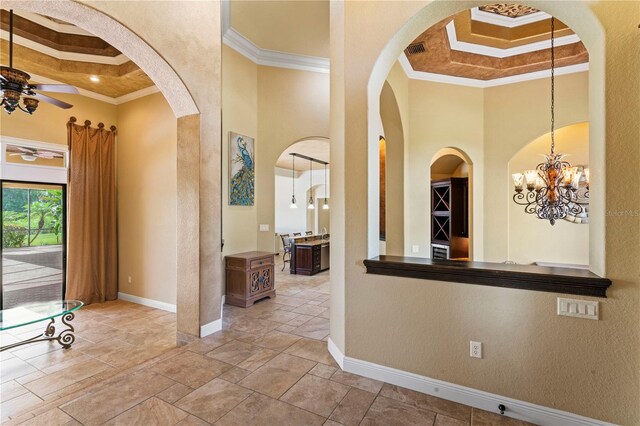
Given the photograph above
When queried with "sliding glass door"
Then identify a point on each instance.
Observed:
(33, 242)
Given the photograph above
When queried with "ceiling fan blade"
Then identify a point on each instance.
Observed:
(57, 88)
(52, 101)
(26, 150)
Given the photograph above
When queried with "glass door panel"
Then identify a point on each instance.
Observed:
(33, 243)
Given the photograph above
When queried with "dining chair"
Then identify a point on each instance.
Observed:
(307, 233)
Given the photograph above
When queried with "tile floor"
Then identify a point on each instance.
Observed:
(268, 366)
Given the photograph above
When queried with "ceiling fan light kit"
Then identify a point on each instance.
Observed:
(15, 86)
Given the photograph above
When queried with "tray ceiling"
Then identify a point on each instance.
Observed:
(493, 42)
(53, 50)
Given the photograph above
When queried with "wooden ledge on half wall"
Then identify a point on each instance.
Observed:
(525, 277)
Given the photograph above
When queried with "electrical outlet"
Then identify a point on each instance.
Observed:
(129, 279)
(475, 349)
(415, 249)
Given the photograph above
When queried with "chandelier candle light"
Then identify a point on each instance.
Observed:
(552, 188)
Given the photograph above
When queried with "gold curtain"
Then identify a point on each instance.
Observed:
(92, 244)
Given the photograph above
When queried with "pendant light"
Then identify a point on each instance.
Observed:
(325, 206)
(293, 184)
(553, 188)
(311, 206)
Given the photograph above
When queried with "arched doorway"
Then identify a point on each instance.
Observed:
(190, 321)
(451, 172)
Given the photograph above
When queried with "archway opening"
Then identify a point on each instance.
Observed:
(183, 108)
(451, 207)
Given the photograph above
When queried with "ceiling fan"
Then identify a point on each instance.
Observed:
(15, 86)
(32, 154)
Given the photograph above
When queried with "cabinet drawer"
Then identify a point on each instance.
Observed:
(259, 263)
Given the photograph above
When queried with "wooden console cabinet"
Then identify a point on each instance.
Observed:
(249, 277)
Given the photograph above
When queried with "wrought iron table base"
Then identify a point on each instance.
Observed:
(65, 337)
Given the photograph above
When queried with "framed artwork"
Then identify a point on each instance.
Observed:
(241, 170)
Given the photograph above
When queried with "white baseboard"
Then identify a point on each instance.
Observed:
(475, 398)
(336, 353)
(210, 328)
(147, 302)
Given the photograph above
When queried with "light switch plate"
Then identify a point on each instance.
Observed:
(579, 308)
(264, 228)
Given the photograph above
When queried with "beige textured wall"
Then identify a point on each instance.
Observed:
(292, 105)
(240, 104)
(147, 143)
(529, 236)
(49, 123)
(586, 367)
(193, 49)
(515, 115)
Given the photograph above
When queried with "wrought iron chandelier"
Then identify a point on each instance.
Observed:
(553, 188)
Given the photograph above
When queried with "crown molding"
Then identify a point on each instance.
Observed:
(505, 21)
(472, 82)
(273, 58)
(103, 98)
(65, 56)
(495, 52)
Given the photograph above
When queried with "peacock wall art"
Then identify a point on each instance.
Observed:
(241, 170)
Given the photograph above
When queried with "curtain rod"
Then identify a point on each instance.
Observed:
(87, 123)
(308, 158)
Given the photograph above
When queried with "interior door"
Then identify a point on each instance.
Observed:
(33, 242)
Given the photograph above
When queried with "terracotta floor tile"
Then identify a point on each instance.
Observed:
(14, 368)
(316, 328)
(356, 381)
(315, 394)
(442, 420)
(191, 369)
(126, 392)
(307, 309)
(353, 407)
(213, 400)
(427, 402)
(18, 404)
(278, 375)
(66, 377)
(276, 340)
(174, 393)
(55, 417)
(323, 370)
(314, 350)
(191, 420)
(233, 352)
(153, 411)
(386, 411)
(234, 375)
(261, 410)
(10, 390)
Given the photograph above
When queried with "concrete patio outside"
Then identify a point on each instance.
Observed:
(31, 274)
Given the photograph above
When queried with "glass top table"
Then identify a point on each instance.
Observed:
(36, 312)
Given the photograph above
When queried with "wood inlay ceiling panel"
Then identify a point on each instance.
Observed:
(77, 57)
(439, 58)
(59, 41)
(115, 80)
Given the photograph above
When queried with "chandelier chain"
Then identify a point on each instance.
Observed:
(553, 63)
